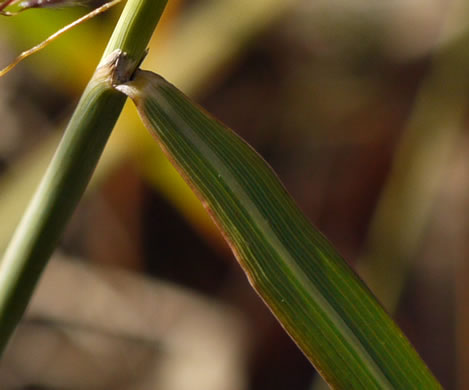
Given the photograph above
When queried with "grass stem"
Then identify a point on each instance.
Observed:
(71, 167)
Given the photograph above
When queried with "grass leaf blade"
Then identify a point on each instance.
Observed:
(318, 299)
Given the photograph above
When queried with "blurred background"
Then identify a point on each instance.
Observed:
(360, 107)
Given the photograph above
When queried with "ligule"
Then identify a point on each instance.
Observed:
(317, 298)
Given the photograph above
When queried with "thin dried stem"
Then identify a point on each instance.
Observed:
(5, 4)
(57, 34)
